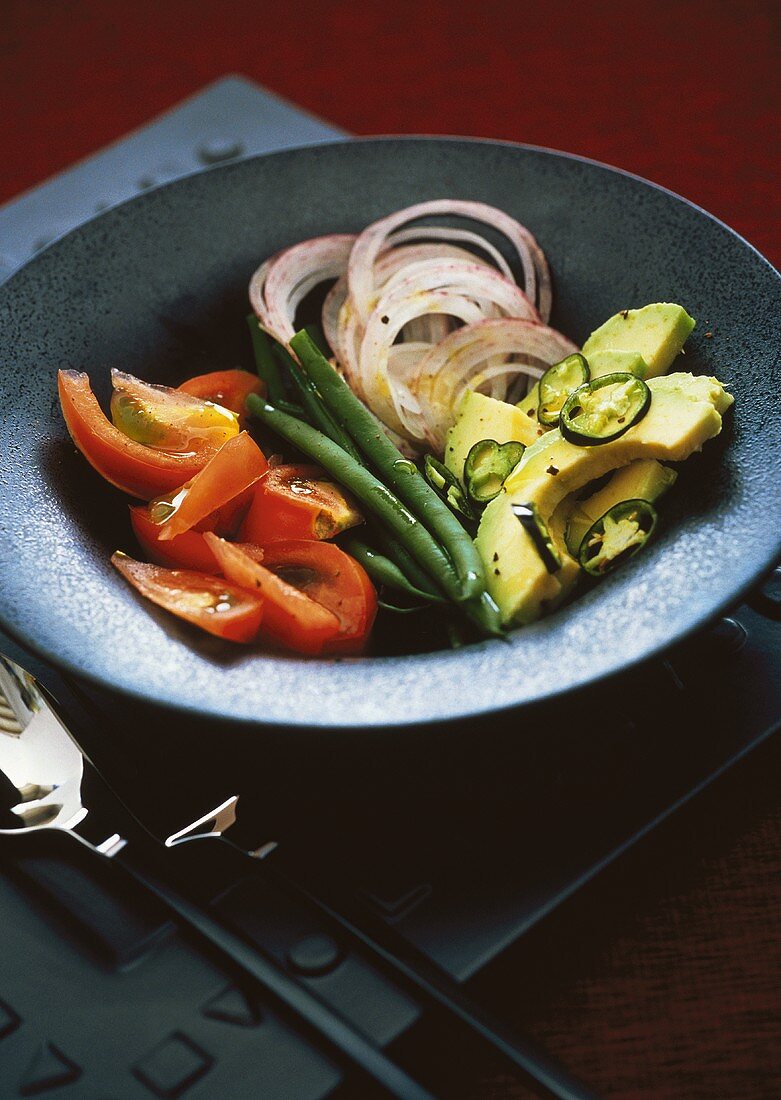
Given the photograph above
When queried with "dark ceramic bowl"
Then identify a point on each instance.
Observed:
(158, 286)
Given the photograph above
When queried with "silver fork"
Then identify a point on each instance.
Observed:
(44, 781)
(48, 774)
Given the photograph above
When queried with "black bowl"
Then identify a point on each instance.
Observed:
(158, 286)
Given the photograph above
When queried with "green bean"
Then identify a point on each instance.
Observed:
(403, 476)
(485, 614)
(385, 571)
(318, 411)
(376, 497)
(406, 563)
(292, 409)
(317, 336)
(265, 363)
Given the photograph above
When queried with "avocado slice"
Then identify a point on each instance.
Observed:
(516, 575)
(657, 333)
(610, 362)
(528, 404)
(685, 412)
(480, 417)
(645, 479)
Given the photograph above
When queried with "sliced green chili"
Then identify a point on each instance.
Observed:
(448, 486)
(530, 519)
(603, 409)
(487, 466)
(557, 384)
(619, 534)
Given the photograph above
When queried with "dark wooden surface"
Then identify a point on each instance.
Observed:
(662, 978)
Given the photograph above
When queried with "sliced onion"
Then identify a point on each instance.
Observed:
(290, 276)
(445, 233)
(371, 242)
(418, 314)
(474, 280)
(467, 357)
(383, 328)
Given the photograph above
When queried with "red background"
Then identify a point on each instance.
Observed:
(662, 980)
(683, 92)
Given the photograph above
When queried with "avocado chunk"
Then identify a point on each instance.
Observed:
(570, 570)
(612, 362)
(516, 575)
(528, 404)
(480, 417)
(645, 479)
(657, 333)
(684, 413)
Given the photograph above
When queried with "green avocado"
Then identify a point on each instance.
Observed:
(611, 362)
(480, 417)
(528, 404)
(645, 479)
(657, 333)
(684, 413)
(516, 575)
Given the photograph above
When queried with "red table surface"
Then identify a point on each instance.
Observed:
(684, 92)
(677, 993)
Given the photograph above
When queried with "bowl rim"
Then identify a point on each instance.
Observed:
(204, 711)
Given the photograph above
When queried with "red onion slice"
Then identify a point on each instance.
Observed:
(445, 233)
(277, 287)
(467, 358)
(371, 242)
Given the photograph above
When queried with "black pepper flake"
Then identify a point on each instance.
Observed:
(625, 313)
(552, 470)
(496, 557)
(497, 573)
(385, 319)
(530, 412)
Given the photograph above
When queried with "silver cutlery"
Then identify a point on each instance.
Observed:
(45, 778)
(48, 776)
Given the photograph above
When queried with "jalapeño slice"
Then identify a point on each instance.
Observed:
(530, 519)
(448, 486)
(603, 409)
(621, 532)
(487, 466)
(557, 384)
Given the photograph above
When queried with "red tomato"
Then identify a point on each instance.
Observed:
(212, 603)
(298, 502)
(229, 388)
(135, 468)
(332, 578)
(167, 419)
(290, 618)
(237, 465)
(187, 551)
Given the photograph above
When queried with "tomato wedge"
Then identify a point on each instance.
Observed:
(332, 578)
(167, 419)
(212, 603)
(187, 551)
(237, 465)
(298, 502)
(135, 468)
(229, 388)
(290, 618)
